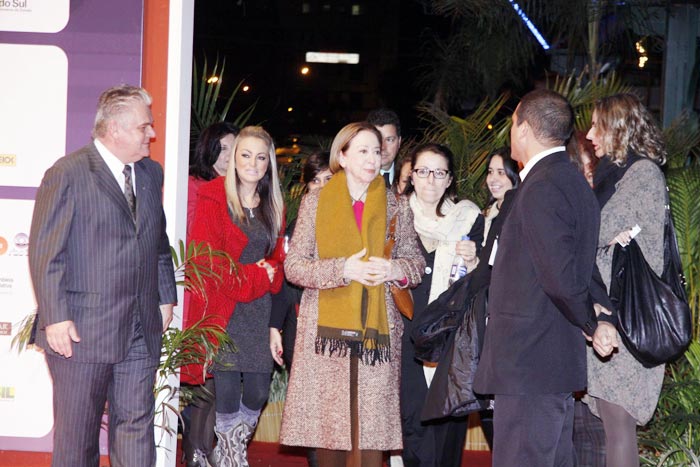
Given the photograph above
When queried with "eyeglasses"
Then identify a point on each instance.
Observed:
(437, 173)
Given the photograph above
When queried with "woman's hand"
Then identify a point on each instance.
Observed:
(623, 238)
(467, 250)
(276, 346)
(387, 270)
(268, 268)
(365, 272)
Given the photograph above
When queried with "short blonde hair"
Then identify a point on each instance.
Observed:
(624, 125)
(342, 140)
(268, 188)
(113, 102)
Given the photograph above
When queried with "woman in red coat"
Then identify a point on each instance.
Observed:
(243, 216)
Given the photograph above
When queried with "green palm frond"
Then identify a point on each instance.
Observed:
(24, 332)
(198, 344)
(582, 93)
(684, 186)
(205, 99)
(195, 264)
(672, 437)
(682, 138)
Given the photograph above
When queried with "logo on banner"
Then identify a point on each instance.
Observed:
(3, 246)
(5, 329)
(8, 160)
(20, 243)
(7, 393)
(15, 5)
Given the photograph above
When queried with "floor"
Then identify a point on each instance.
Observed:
(259, 455)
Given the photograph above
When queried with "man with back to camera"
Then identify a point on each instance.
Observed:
(542, 294)
(103, 278)
(388, 124)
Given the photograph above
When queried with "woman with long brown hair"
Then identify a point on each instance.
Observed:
(631, 190)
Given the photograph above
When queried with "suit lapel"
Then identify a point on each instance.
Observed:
(106, 182)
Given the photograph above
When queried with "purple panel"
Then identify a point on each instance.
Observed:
(103, 43)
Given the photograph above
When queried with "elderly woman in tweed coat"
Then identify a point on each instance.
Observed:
(343, 395)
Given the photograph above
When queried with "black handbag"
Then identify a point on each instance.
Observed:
(653, 314)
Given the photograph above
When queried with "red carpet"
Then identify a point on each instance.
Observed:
(260, 454)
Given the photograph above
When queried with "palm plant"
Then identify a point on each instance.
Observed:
(673, 438)
(205, 98)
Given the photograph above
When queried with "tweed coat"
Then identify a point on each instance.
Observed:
(639, 198)
(317, 410)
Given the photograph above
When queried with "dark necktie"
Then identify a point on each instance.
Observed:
(129, 191)
(387, 182)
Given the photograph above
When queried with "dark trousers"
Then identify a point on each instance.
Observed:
(80, 391)
(533, 430)
(199, 433)
(589, 437)
(437, 443)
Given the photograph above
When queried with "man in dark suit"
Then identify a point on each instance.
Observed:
(388, 124)
(542, 294)
(103, 278)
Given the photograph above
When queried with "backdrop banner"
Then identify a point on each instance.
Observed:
(57, 57)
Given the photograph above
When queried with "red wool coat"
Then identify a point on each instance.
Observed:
(248, 282)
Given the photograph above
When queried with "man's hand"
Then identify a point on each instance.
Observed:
(598, 308)
(604, 339)
(60, 337)
(166, 312)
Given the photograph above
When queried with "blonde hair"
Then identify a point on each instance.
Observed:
(625, 125)
(342, 140)
(268, 188)
(113, 102)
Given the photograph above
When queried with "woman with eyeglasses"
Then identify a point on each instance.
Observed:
(441, 223)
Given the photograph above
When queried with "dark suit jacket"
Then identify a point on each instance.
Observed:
(90, 263)
(540, 294)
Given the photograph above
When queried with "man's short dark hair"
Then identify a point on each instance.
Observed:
(381, 117)
(549, 115)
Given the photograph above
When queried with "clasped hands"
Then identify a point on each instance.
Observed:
(605, 336)
(269, 269)
(373, 271)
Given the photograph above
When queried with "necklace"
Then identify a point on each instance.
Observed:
(250, 212)
(359, 198)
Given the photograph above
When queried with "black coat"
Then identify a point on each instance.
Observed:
(541, 296)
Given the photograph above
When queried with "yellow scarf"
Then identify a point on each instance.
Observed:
(352, 317)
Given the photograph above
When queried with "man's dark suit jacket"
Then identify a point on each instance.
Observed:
(540, 294)
(90, 263)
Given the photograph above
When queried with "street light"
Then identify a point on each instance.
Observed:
(213, 79)
(246, 88)
(305, 70)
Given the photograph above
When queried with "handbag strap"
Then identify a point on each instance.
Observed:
(672, 272)
(391, 239)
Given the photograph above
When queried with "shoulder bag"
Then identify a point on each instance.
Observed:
(402, 297)
(653, 313)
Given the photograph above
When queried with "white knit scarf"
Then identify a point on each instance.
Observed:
(457, 221)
